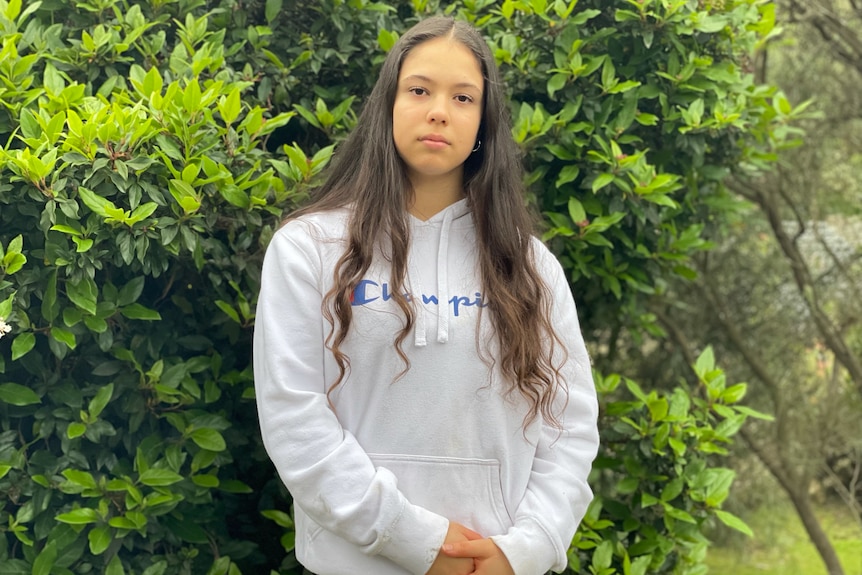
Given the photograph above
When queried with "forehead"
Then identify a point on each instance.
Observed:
(443, 60)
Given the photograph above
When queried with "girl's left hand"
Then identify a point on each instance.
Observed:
(487, 557)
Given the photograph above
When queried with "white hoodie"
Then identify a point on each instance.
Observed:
(376, 480)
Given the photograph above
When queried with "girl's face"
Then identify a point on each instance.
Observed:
(437, 110)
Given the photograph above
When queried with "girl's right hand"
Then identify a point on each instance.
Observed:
(445, 565)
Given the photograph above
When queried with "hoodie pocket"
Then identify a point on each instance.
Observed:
(469, 491)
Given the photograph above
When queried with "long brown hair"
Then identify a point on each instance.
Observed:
(368, 175)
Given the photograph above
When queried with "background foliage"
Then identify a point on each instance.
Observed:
(781, 290)
(150, 150)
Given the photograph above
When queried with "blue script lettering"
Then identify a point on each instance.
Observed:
(367, 291)
(360, 293)
(458, 301)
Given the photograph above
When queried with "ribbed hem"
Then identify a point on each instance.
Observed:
(415, 539)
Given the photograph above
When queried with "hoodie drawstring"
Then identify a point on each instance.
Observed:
(415, 285)
(443, 279)
(419, 329)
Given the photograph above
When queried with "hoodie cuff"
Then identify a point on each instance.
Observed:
(415, 539)
(529, 549)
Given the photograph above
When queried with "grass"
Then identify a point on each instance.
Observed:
(781, 545)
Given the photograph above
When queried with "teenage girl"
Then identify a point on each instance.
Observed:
(422, 383)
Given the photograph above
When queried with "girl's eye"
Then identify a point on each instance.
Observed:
(464, 98)
(418, 91)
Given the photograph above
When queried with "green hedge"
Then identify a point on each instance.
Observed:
(150, 150)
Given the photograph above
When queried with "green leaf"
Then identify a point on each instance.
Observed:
(220, 566)
(753, 413)
(115, 567)
(29, 125)
(78, 477)
(208, 439)
(100, 539)
(679, 514)
(157, 568)
(205, 480)
(96, 203)
(83, 293)
(273, 7)
(636, 390)
(122, 523)
(601, 181)
(13, 262)
(646, 119)
(658, 409)
(677, 446)
(76, 429)
(576, 211)
(672, 490)
(556, 83)
(22, 345)
(603, 555)
(230, 106)
(608, 74)
(131, 291)
(705, 362)
(49, 309)
(141, 213)
(235, 195)
(100, 400)
(234, 486)
(6, 304)
(734, 393)
(624, 87)
(734, 522)
(16, 394)
(159, 477)
(192, 97)
(95, 324)
(568, 174)
(45, 560)
(137, 311)
(582, 17)
(228, 310)
(16, 566)
(82, 516)
(64, 336)
(13, 9)
(386, 39)
(280, 517)
(308, 115)
(288, 541)
(185, 195)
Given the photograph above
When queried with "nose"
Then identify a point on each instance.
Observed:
(438, 112)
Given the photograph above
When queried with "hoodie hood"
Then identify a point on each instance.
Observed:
(437, 229)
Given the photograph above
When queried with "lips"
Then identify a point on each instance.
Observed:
(434, 138)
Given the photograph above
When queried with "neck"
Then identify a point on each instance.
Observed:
(433, 195)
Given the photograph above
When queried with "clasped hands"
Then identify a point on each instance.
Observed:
(465, 552)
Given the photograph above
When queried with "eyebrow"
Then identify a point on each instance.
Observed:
(428, 80)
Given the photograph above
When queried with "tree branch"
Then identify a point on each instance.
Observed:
(834, 30)
(805, 285)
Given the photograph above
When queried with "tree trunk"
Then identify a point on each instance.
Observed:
(795, 487)
(802, 503)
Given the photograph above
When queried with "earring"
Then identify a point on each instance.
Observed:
(478, 145)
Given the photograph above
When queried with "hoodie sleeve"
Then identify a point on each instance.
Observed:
(327, 472)
(557, 494)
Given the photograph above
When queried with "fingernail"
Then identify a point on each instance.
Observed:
(447, 547)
